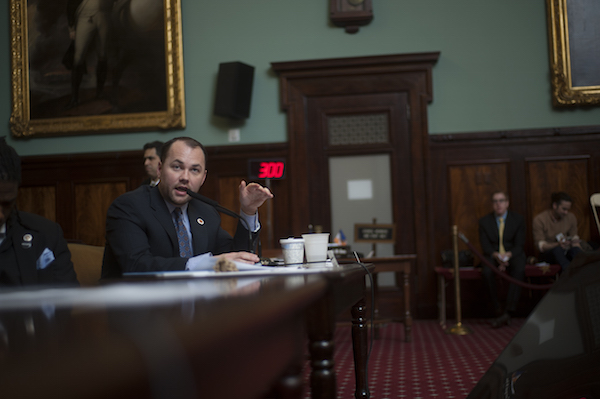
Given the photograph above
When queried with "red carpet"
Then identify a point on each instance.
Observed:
(434, 365)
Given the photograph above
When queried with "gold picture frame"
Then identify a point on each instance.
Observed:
(44, 100)
(574, 59)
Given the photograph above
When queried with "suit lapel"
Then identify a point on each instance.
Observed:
(25, 243)
(161, 213)
(493, 226)
(509, 226)
(197, 223)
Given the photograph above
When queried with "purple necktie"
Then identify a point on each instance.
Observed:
(182, 236)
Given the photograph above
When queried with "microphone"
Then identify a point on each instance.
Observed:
(226, 211)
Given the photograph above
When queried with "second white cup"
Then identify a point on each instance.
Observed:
(315, 247)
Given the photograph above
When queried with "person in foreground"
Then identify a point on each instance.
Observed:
(555, 232)
(163, 229)
(32, 248)
(502, 238)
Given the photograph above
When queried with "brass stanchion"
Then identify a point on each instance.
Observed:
(458, 328)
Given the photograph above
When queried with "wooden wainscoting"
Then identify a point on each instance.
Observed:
(91, 203)
(467, 168)
(469, 183)
(572, 174)
(76, 190)
(39, 200)
(462, 171)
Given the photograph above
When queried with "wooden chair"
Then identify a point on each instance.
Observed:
(595, 202)
(87, 261)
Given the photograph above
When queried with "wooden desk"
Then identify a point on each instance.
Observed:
(140, 334)
(221, 338)
(346, 289)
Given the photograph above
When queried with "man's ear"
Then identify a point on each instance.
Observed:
(159, 169)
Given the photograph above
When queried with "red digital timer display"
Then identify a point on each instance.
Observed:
(266, 168)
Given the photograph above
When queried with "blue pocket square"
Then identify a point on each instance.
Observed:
(45, 259)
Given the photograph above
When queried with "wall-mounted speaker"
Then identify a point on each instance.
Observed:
(234, 90)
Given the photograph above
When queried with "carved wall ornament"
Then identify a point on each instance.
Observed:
(350, 14)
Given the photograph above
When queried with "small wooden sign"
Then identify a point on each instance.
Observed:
(375, 233)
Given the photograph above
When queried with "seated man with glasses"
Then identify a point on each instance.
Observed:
(502, 238)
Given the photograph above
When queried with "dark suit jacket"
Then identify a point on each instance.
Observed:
(146, 182)
(28, 235)
(513, 238)
(140, 235)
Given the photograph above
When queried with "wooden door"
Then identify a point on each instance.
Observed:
(398, 86)
(358, 125)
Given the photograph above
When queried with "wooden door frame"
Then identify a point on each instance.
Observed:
(397, 147)
(408, 73)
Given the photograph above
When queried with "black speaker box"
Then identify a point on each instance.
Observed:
(234, 90)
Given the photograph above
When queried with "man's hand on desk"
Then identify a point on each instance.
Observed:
(207, 261)
(244, 257)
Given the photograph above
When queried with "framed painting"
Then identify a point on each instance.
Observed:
(574, 35)
(95, 66)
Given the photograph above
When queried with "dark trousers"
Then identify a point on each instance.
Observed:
(516, 269)
(560, 256)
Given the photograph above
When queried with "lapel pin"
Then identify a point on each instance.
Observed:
(27, 241)
(200, 221)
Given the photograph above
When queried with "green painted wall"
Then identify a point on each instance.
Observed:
(493, 71)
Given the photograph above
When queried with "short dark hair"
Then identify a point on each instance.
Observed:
(499, 192)
(10, 163)
(559, 197)
(190, 142)
(158, 145)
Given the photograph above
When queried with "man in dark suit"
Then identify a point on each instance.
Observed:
(162, 228)
(32, 248)
(152, 153)
(502, 238)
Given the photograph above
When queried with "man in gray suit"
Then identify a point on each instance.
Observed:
(162, 228)
(502, 238)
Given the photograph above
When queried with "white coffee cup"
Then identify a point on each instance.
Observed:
(293, 250)
(315, 247)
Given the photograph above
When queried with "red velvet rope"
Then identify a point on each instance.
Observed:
(502, 274)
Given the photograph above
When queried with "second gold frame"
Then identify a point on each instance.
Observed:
(574, 61)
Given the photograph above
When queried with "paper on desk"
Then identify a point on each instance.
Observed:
(206, 262)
